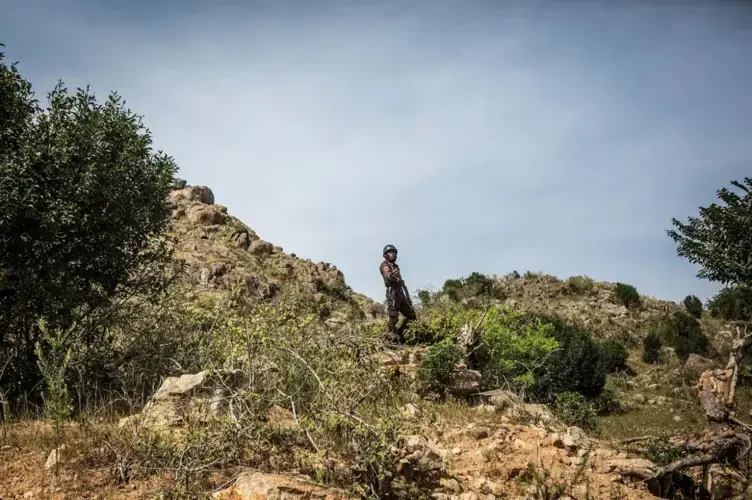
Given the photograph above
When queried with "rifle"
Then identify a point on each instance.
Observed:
(407, 294)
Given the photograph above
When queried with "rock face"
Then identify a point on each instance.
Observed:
(199, 395)
(260, 486)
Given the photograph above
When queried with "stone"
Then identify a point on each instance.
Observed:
(465, 383)
(206, 215)
(262, 486)
(202, 395)
(629, 466)
(479, 433)
(696, 365)
(498, 397)
(261, 247)
(450, 485)
(54, 457)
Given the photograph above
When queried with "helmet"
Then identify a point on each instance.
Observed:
(389, 248)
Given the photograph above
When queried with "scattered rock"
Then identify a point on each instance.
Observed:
(261, 486)
(450, 485)
(206, 215)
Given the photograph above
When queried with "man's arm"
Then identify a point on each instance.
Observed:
(391, 275)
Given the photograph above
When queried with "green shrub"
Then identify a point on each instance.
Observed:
(661, 451)
(651, 348)
(627, 295)
(693, 305)
(580, 285)
(510, 349)
(438, 367)
(614, 356)
(732, 304)
(684, 333)
(573, 409)
(608, 402)
(576, 367)
(476, 285)
(433, 326)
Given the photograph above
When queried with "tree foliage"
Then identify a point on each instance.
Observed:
(720, 239)
(84, 201)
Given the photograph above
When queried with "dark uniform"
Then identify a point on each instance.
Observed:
(397, 298)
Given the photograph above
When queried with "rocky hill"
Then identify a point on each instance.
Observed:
(328, 412)
(220, 253)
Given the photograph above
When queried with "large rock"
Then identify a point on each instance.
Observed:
(201, 395)
(201, 194)
(500, 398)
(261, 247)
(465, 383)
(261, 486)
(207, 215)
(696, 365)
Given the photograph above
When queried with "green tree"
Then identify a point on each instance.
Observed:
(693, 305)
(651, 346)
(84, 201)
(614, 356)
(720, 239)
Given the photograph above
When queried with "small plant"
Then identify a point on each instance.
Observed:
(651, 348)
(580, 285)
(614, 356)
(438, 368)
(693, 305)
(52, 365)
(627, 295)
(573, 409)
(661, 451)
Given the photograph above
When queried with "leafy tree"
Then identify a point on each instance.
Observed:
(732, 303)
(84, 201)
(693, 305)
(720, 239)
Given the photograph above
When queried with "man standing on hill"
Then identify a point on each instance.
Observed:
(397, 297)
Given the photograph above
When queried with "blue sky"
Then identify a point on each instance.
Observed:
(475, 136)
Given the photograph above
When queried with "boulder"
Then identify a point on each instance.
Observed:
(261, 486)
(631, 467)
(261, 247)
(201, 395)
(465, 383)
(500, 398)
(696, 365)
(206, 215)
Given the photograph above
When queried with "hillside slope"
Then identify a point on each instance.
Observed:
(220, 253)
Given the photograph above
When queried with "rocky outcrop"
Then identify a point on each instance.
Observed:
(696, 365)
(261, 486)
(199, 396)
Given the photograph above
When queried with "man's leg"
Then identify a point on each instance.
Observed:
(409, 313)
(393, 313)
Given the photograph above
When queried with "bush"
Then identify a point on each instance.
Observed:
(476, 285)
(436, 325)
(627, 295)
(651, 348)
(684, 333)
(576, 367)
(425, 297)
(511, 349)
(732, 304)
(574, 409)
(580, 285)
(438, 367)
(693, 305)
(607, 403)
(614, 356)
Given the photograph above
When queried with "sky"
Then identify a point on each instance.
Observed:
(487, 136)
